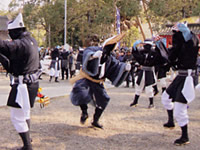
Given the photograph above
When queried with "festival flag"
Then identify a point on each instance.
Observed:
(118, 20)
(118, 23)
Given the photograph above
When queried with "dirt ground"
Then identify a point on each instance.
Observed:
(57, 126)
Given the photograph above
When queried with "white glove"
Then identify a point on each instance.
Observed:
(97, 54)
(128, 67)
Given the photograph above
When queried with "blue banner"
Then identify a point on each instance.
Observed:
(118, 23)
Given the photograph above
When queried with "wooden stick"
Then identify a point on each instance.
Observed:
(138, 22)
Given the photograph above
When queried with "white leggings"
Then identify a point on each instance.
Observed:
(163, 82)
(54, 72)
(18, 118)
(148, 89)
(180, 109)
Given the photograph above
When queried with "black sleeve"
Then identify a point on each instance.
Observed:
(177, 42)
(124, 58)
(12, 49)
(138, 56)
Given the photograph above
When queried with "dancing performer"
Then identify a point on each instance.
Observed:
(21, 59)
(98, 64)
(147, 57)
(162, 68)
(180, 92)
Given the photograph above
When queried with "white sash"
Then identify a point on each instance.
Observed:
(22, 97)
(102, 70)
(188, 90)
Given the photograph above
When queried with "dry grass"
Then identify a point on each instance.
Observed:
(57, 126)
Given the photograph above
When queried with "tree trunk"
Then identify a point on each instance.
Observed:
(145, 11)
(138, 22)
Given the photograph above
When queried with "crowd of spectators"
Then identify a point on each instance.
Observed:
(69, 62)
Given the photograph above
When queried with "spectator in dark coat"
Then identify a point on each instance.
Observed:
(55, 66)
(65, 64)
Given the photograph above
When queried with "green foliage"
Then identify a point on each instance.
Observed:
(30, 13)
(39, 35)
(84, 17)
(173, 10)
(91, 17)
(162, 12)
(196, 10)
(13, 5)
(131, 36)
(129, 8)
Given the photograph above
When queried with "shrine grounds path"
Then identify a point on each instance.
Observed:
(57, 126)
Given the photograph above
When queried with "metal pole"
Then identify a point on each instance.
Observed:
(49, 35)
(65, 34)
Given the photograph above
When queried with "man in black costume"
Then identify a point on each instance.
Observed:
(147, 57)
(21, 59)
(182, 55)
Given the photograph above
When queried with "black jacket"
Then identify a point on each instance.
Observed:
(22, 54)
(146, 57)
(184, 54)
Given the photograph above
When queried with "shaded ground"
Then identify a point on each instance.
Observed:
(57, 126)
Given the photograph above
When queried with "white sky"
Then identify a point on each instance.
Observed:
(4, 4)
